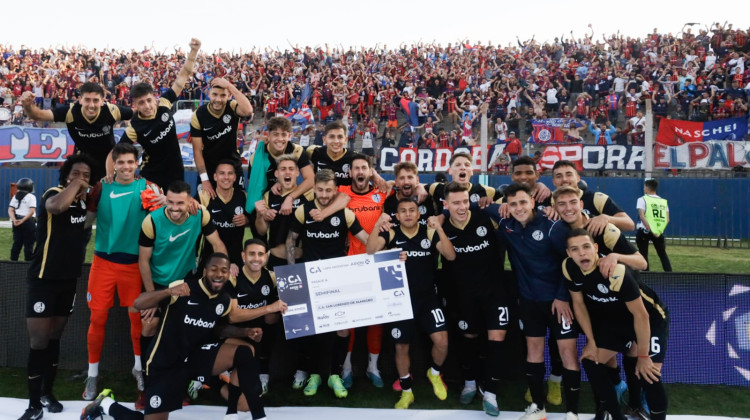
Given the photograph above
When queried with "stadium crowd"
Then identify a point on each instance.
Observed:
(199, 312)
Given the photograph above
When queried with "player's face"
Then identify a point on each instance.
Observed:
(125, 165)
(335, 140)
(324, 192)
(360, 173)
(79, 171)
(286, 173)
(457, 204)
(521, 207)
(568, 206)
(583, 252)
(461, 170)
(408, 214)
(146, 106)
(525, 174)
(277, 140)
(406, 183)
(225, 176)
(177, 205)
(218, 98)
(216, 274)
(91, 103)
(254, 257)
(565, 176)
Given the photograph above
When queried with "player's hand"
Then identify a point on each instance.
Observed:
(207, 187)
(220, 82)
(234, 270)
(484, 202)
(82, 186)
(646, 369)
(607, 265)
(278, 306)
(195, 44)
(260, 206)
(434, 223)
(108, 179)
(193, 206)
(17, 222)
(591, 352)
(286, 206)
(384, 223)
(317, 215)
(255, 334)
(158, 200)
(562, 310)
(239, 220)
(504, 210)
(276, 188)
(27, 99)
(269, 215)
(541, 192)
(402, 256)
(551, 213)
(181, 289)
(147, 315)
(596, 225)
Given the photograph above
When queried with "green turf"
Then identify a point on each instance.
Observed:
(683, 399)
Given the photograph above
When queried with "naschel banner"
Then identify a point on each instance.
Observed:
(678, 132)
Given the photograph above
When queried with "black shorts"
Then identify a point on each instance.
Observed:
(200, 363)
(429, 318)
(50, 298)
(483, 312)
(621, 338)
(274, 261)
(536, 317)
(165, 389)
(369, 151)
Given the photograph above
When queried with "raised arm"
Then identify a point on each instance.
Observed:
(187, 69)
(32, 111)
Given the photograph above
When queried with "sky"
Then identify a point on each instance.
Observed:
(234, 25)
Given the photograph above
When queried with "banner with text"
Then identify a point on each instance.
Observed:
(611, 157)
(549, 130)
(677, 132)
(713, 154)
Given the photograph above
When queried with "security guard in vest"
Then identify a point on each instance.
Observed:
(653, 213)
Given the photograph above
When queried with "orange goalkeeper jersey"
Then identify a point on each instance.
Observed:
(368, 208)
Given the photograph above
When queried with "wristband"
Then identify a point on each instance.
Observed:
(204, 177)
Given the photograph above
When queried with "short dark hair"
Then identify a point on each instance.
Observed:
(651, 184)
(255, 241)
(458, 155)
(407, 200)
(140, 89)
(564, 190)
(179, 187)
(580, 232)
(324, 175)
(334, 125)
(360, 156)
(523, 160)
(516, 187)
(124, 148)
(68, 166)
(405, 166)
(91, 87)
(455, 186)
(279, 123)
(564, 163)
(229, 162)
(216, 255)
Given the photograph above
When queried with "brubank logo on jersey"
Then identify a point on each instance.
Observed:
(200, 322)
(253, 305)
(473, 248)
(220, 133)
(164, 132)
(322, 235)
(76, 220)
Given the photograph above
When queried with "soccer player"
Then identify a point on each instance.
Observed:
(366, 201)
(54, 268)
(461, 171)
(653, 215)
(153, 126)
(90, 123)
(167, 248)
(544, 302)
(213, 132)
(321, 240)
(119, 209)
(405, 186)
(227, 209)
(618, 314)
(188, 343)
(273, 226)
(481, 303)
(421, 245)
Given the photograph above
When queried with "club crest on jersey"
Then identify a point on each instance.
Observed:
(345, 168)
(463, 325)
(295, 203)
(238, 210)
(226, 119)
(164, 118)
(395, 333)
(376, 198)
(155, 401)
(474, 198)
(422, 210)
(105, 129)
(88, 296)
(83, 205)
(481, 231)
(425, 243)
(219, 309)
(39, 307)
(335, 221)
(537, 235)
(265, 290)
(602, 288)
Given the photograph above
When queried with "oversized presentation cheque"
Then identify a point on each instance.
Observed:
(341, 293)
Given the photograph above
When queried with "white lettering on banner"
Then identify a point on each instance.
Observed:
(426, 157)
(712, 154)
(388, 158)
(442, 157)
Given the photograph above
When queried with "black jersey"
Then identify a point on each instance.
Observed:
(327, 238)
(320, 159)
(596, 203)
(477, 267)
(421, 261)
(94, 138)
(606, 298)
(218, 132)
(609, 241)
(476, 191)
(291, 148)
(187, 324)
(58, 254)
(162, 158)
(222, 213)
(278, 228)
(426, 209)
(253, 294)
